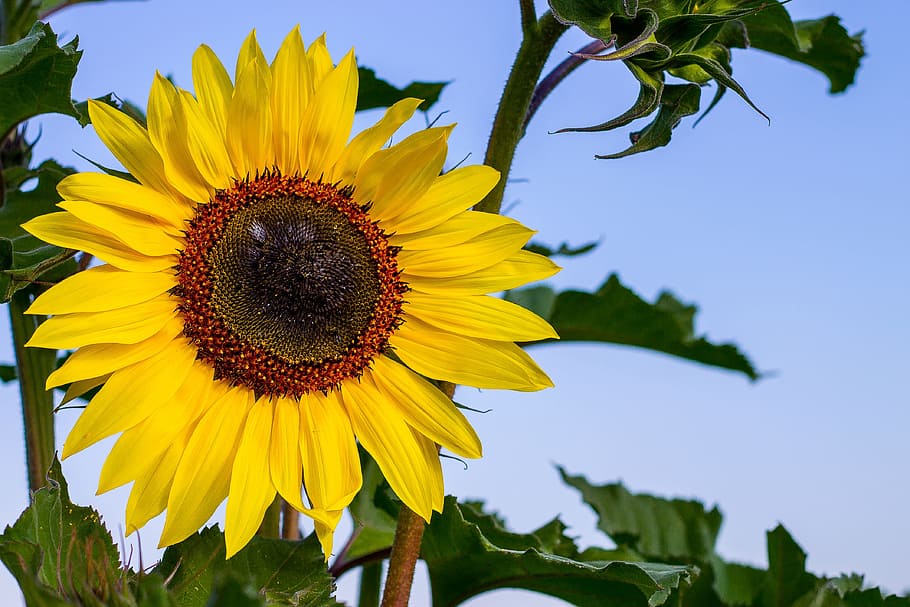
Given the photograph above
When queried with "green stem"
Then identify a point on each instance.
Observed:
(536, 46)
(405, 550)
(33, 365)
(370, 579)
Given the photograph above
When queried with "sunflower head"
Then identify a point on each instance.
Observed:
(273, 292)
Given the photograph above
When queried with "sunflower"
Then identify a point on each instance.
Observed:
(273, 293)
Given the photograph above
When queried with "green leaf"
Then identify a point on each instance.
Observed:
(36, 77)
(127, 107)
(676, 102)
(665, 530)
(284, 572)
(375, 92)
(616, 314)
(564, 249)
(651, 87)
(592, 17)
(375, 512)
(737, 584)
(823, 44)
(469, 552)
(24, 258)
(62, 554)
(8, 373)
(787, 578)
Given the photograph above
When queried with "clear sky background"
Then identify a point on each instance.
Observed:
(792, 239)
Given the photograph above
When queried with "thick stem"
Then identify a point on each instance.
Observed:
(290, 522)
(507, 130)
(33, 365)
(528, 15)
(405, 550)
(370, 580)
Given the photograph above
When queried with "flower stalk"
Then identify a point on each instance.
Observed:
(32, 367)
(405, 550)
(508, 126)
(539, 38)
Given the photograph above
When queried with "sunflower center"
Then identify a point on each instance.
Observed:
(295, 277)
(287, 285)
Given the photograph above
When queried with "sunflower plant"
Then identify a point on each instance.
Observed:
(273, 311)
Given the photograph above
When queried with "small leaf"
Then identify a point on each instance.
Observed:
(564, 249)
(718, 72)
(469, 552)
(616, 314)
(594, 18)
(8, 373)
(127, 107)
(36, 77)
(660, 529)
(24, 258)
(375, 92)
(676, 102)
(284, 572)
(652, 86)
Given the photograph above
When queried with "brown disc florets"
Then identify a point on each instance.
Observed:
(287, 285)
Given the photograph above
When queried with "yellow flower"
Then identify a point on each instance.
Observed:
(273, 293)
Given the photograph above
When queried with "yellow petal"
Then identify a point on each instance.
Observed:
(328, 119)
(251, 490)
(320, 61)
(476, 254)
(430, 454)
(140, 232)
(128, 325)
(249, 51)
(450, 194)
(149, 494)
(113, 191)
(206, 144)
(143, 385)
(130, 143)
(470, 361)
(392, 444)
(425, 408)
(249, 125)
(370, 140)
(284, 452)
(479, 316)
(213, 86)
(326, 532)
(203, 476)
(101, 288)
(331, 464)
(168, 131)
(66, 230)
(103, 359)
(458, 229)
(141, 446)
(514, 271)
(291, 89)
(392, 179)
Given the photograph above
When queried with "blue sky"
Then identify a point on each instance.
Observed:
(792, 238)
